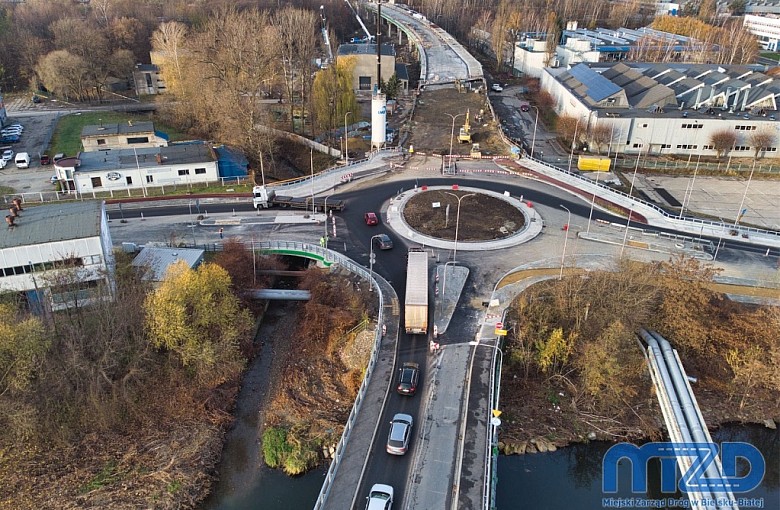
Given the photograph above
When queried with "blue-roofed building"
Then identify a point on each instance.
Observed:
(670, 109)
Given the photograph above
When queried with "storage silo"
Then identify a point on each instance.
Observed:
(378, 120)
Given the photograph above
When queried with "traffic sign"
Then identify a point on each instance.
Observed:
(499, 325)
(372, 257)
(501, 332)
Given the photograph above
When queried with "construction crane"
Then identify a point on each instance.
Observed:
(464, 136)
(368, 37)
(325, 36)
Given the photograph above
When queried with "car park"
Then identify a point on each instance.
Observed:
(400, 433)
(371, 218)
(8, 155)
(380, 497)
(408, 376)
(384, 241)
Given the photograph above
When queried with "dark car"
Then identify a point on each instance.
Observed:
(408, 375)
(384, 242)
(371, 218)
(10, 139)
(45, 159)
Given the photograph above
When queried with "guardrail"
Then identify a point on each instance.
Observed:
(348, 264)
(675, 219)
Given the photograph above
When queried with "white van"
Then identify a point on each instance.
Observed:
(22, 160)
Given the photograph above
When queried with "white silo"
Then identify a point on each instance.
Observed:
(378, 120)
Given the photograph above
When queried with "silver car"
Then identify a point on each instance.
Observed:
(400, 432)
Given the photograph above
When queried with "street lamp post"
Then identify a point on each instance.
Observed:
(533, 139)
(371, 259)
(326, 218)
(630, 196)
(452, 135)
(574, 142)
(311, 159)
(744, 195)
(565, 239)
(346, 146)
(492, 438)
(457, 221)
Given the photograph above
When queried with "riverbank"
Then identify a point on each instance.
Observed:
(574, 370)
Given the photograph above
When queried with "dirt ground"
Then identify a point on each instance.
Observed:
(482, 217)
(431, 128)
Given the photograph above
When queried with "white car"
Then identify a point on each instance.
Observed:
(10, 131)
(8, 155)
(496, 87)
(380, 497)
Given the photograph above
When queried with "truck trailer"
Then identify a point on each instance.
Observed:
(264, 198)
(416, 305)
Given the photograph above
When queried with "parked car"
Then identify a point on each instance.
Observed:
(384, 242)
(400, 432)
(497, 88)
(22, 160)
(380, 497)
(45, 159)
(408, 375)
(10, 132)
(58, 156)
(371, 218)
(8, 155)
(10, 139)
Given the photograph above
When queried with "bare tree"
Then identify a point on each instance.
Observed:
(761, 140)
(722, 141)
(168, 41)
(553, 36)
(295, 29)
(600, 135)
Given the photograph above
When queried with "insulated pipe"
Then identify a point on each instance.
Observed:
(678, 429)
(689, 407)
(706, 430)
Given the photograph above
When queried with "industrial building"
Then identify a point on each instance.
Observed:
(669, 109)
(56, 255)
(105, 136)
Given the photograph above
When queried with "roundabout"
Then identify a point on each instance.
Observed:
(466, 218)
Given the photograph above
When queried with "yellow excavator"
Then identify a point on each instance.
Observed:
(465, 132)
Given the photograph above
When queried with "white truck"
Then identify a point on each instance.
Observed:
(263, 198)
(416, 304)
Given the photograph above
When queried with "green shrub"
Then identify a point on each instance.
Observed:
(275, 446)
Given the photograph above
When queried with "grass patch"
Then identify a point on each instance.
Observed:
(5, 190)
(771, 55)
(67, 136)
(107, 476)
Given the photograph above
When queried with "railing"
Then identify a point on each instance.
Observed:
(672, 217)
(353, 267)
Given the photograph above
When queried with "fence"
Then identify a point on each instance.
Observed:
(147, 191)
(721, 166)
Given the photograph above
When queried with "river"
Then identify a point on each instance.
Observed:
(570, 478)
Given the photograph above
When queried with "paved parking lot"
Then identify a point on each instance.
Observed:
(38, 127)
